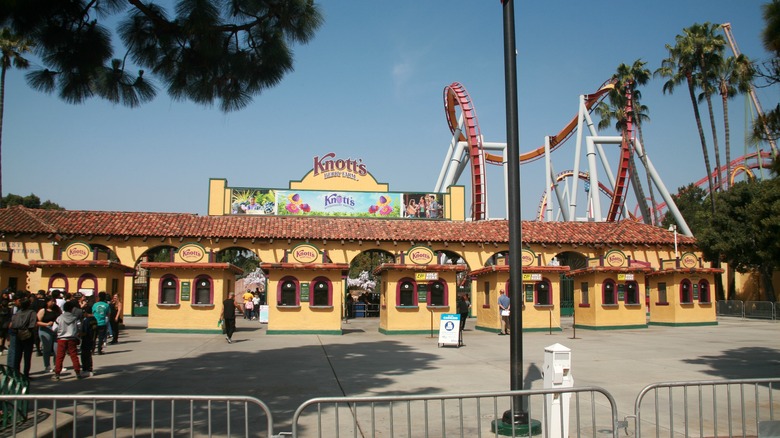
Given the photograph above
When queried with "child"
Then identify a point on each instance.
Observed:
(88, 336)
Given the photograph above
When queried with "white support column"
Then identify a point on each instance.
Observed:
(594, 180)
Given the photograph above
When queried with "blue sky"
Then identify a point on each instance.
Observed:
(369, 86)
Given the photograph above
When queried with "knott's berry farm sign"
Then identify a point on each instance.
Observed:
(330, 167)
(420, 255)
(305, 253)
(192, 253)
(615, 259)
(78, 251)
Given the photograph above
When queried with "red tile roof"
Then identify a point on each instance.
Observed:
(73, 223)
(80, 264)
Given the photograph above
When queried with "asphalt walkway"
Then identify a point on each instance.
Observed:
(285, 370)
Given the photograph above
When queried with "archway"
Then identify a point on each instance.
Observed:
(140, 295)
(362, 294)
(573, 260)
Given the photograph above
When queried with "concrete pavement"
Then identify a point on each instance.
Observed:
(285, 370)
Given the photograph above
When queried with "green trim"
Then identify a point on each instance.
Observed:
(683, 324)
(305, 332)
(407, 332)
(525, 330)
(186, 331)
(542, 329)
(611, 327)
(487, 329)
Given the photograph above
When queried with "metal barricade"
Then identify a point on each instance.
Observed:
(706, 408)
(760, 309)
(592, 411)
(140, 415)
(731, 308)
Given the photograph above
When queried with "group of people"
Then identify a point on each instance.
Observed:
(252, 303)
(427, 207)
(56, 324)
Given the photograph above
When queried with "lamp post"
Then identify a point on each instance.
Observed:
(673, 228)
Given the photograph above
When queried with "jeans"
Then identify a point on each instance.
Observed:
(48, 345)
(102, 332)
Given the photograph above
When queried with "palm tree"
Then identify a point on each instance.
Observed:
(629, 77)
(682, 65)
(12, 49)
(688, 62)
(709, 57)
(733, 76)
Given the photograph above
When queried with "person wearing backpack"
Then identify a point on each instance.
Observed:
(23, 323)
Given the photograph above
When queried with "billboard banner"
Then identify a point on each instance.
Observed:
(336, 203)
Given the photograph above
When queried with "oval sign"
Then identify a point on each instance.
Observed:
(191, 253)
(615, 258)
(528, 257)
(420, 255)
(78, 251)
(689, 260)
(305, 253)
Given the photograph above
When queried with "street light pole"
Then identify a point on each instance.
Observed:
(673, 228)
(517, 414)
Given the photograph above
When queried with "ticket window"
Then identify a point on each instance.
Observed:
(609, 295)
(686, 292)
(407, 293)
(704, 292)
(543, 293)
(632, 292)
(437, 294)
(288, 293)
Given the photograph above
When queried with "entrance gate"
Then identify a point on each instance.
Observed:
(567, 296)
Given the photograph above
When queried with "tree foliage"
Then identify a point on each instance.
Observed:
(745, 228)
(29, 201)
(243, 258)
(205, 51)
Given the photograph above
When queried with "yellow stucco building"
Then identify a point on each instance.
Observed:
(170, 266)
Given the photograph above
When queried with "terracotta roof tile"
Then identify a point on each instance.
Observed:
(133, 224)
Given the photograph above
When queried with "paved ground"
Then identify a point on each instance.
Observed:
(286, 370)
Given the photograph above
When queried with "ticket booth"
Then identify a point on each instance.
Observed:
(416, 292)
(306, 295)
(84, 270)
(13, 275)
(541, 297)
(681, 293)
(187, 297)
(609, 293)
(305, 298)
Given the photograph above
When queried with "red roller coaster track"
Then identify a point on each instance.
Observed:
(456, 95)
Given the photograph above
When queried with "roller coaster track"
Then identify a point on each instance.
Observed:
(562, 176)
(591, 100)
(744, 164)
(455, 95)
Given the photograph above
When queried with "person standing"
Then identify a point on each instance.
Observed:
(463, 310)
(113, 318)
(67, 340)
(6, 307)
(504, 309)
(47, 333)
(101, 311)
(247, 297)
(88, 337)
(23, 323)
(228, 316)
